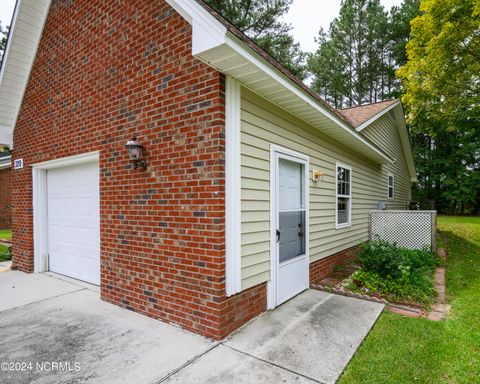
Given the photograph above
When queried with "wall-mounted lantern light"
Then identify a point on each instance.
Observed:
(135, 154)
(316, 175)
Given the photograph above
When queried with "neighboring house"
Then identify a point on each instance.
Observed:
(226, 221)
(5, 191)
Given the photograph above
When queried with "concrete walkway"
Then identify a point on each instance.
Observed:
(310, 339)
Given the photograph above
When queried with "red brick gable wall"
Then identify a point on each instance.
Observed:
(108, 70)
(5, 198)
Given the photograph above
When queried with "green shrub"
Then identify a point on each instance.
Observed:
(5, 253)
(396, 273)
(417, 287)
(390, 260)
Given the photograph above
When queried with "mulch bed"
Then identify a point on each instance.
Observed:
(437, 312)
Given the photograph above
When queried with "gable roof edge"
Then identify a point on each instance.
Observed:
(22, 56)
(377, 116)
(235, 42)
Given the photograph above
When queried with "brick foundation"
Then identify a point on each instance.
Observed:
(5, 198)
(324, 267)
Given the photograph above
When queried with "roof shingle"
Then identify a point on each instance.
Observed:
(356, 116)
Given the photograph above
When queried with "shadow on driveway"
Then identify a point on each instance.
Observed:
(45, 320)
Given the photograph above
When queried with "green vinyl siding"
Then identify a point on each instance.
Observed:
(262, 124)
(384, 133)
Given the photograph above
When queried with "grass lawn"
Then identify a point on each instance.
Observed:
(406, 350)
(4, 234)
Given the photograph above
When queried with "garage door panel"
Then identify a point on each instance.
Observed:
(73, 221)
(87, 207)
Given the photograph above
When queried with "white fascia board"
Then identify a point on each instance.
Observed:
(377, 116)
(207, 32)
(280, 78)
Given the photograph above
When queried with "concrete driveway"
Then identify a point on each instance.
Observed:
(57, 331)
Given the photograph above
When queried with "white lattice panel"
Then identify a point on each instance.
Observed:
(409, 229)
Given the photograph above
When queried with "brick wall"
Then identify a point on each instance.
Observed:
(5, 199)
(324, 267)
(106, 71)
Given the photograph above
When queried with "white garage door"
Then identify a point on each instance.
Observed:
(74, 222)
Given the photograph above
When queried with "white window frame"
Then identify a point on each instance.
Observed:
(349, 197)
(392, 186)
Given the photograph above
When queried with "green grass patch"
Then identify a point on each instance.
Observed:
(5, 234)
(406, 350)
(4, 253)
(396, 274)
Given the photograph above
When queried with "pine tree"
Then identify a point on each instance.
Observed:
(260, 20)
(3, 41)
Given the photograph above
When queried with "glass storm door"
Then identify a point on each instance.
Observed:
(291, 227)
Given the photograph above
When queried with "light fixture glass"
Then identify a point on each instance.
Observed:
(135, 153)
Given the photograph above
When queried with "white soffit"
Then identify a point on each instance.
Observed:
(5, 162)
(219, 48)
(25, 33)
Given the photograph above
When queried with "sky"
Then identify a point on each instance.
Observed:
(306, 17)
(6, 11)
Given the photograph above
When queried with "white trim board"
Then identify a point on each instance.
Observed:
(233, 259)
(39, 184)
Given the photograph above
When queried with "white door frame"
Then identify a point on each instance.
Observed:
(40, 220)
(274, 263)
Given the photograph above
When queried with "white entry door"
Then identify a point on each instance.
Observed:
(73, 221)
(290, 226)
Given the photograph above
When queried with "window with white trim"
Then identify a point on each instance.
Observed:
(344, 196)
(391, 183)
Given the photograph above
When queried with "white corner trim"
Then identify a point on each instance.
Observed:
(271, 285)
(349, 223)
(39, 201)
(233, 279)
(377, 116)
